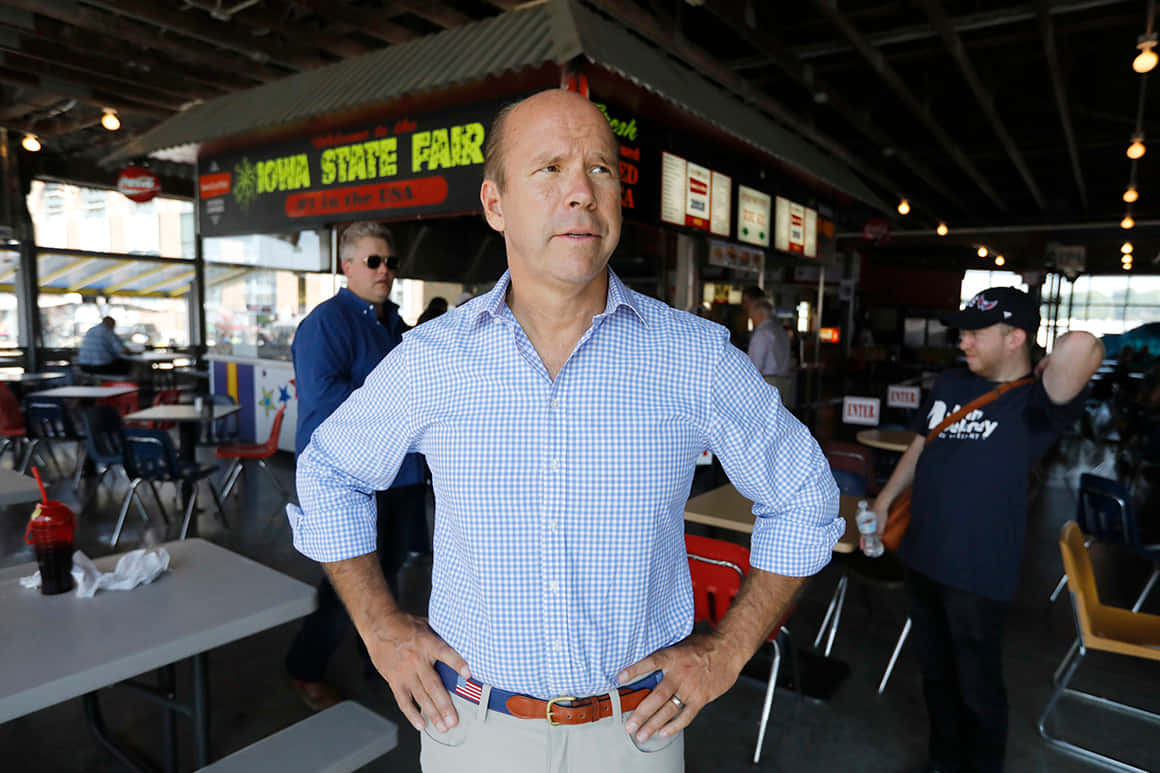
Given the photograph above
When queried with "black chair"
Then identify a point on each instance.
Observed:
(103, 441)
(1106, 514)
(224, 430)
(48, 423)
(151, 457)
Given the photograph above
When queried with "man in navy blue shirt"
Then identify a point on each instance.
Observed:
(964, 544)
(335, 349)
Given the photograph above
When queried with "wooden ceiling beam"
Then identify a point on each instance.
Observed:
(1051, 54)
(53, 35)
(373, 23)
(954, 46)
(775, 51)
(437, 13)
(40, 51)
(92, 81)
(146, 36)
(894, 81)
(665, 36)
(200, 27)
(93, 97)
(336, 43)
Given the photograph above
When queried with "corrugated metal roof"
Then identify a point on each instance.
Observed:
(553, 31)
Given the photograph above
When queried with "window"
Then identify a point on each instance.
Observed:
(100, 220)
(254, 313)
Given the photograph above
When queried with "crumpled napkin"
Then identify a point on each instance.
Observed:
(137, 567)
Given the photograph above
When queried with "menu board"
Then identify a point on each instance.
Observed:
(753, 216)
(697, 196)
(673, 176)
(795, 228)
(722, 192)
(736, 256)
(694, 196)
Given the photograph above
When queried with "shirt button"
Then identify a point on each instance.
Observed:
(554, 586)
(557, 645)
(555, 404)
(554, 465)
(553, 524)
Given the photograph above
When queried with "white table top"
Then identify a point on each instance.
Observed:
(157, 356)
(182, 412)
(16, 489)
(53, 648)
(17, 378)
(84, 392)
(725, 508)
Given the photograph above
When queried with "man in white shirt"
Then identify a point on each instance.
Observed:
(768, 344)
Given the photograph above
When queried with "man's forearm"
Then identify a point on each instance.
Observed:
(902, 477)
(761, 603)
(360, 584)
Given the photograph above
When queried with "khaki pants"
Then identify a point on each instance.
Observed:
(487, 741)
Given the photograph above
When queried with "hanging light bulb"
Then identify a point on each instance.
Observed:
(1126, 258)
(110, 120)
(1137, 149)
(982, 252)
(904, 207)
(1126, 266)
(942, 229)
(1131, 194)
(1126, 248)
(1000, 260)
(30, 143)
(1128, 222)
(1146, 59)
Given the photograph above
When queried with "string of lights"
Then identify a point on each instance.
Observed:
(1143, 64)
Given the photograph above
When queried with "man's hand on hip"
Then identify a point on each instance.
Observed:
(698, 670)
(404, 650)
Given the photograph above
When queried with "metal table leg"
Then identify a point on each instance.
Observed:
(200, 708)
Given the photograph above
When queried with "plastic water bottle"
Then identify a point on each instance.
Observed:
(867, 522)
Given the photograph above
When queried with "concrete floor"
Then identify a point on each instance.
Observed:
(856, 729)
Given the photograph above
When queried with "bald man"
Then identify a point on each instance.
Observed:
(562, 415)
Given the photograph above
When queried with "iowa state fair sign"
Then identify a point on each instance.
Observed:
(404, 167)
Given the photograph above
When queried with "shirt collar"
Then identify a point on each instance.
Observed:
(494, 303)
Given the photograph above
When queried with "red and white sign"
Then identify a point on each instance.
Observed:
(795, 228)
(861, 410)
(830, 335)
(138, 183)
(898, 396)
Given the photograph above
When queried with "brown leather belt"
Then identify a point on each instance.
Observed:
(573, 711)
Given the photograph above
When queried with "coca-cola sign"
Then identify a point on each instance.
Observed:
(138, 183)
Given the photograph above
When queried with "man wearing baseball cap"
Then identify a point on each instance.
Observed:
(964, 545)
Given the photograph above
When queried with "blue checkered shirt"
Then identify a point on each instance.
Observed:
(559, 521)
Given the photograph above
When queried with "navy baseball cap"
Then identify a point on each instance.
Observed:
(992, 306)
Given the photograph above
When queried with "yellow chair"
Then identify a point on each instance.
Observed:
(1099, 627)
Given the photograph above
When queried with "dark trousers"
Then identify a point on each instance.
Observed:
(402, 529)
(958, 637)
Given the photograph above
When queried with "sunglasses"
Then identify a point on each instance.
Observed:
(374, 261)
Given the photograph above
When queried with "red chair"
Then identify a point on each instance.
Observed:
(854, 458)
(258, 452)
(126, 403)
(13, 432)
(717, 569)
(163, 397)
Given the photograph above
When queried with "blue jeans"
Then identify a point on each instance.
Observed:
(958, 637)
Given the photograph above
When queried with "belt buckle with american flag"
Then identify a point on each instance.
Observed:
(469, 689)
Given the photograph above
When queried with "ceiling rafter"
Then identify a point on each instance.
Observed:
(20, 63)
(1059, 89)
(644, 23)
(775, 51)
(39, 50)
(373, 23)
(202, 28)
(954, 45)
(892, 79)
(93, 97)
(144, 35)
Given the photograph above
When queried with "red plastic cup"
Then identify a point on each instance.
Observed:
(50, 530)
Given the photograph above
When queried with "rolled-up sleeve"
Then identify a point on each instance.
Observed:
(772, 459)
(355, 452)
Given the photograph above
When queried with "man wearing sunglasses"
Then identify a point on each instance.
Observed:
(335, 349)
